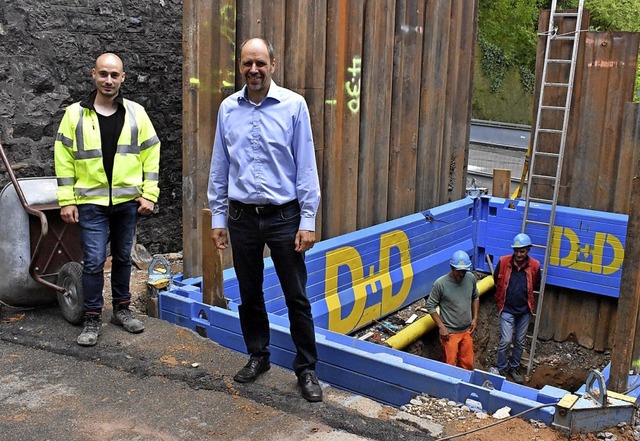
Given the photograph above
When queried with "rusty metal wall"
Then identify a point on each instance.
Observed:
(208, 76)
(388, 84)
(599, 164)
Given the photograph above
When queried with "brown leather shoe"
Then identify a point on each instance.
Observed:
(252, 370)
(311, 390)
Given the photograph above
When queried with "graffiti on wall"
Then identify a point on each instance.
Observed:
(228, 33)
(352, 87)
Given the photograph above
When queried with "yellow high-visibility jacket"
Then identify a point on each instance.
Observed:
(78, 158)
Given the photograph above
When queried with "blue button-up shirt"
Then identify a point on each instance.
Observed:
(264, 154)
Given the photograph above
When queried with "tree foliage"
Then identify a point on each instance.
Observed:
(614, 15)
(507, 37)
(508, 31)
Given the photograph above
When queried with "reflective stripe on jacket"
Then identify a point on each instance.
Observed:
(502, 283)
(78, 158)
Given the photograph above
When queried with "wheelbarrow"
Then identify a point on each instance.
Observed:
(40, 254)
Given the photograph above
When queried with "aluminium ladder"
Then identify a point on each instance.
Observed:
(549, 141)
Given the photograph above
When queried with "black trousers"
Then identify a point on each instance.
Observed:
(251, 228)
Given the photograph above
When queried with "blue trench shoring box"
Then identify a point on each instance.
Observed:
(363, 276)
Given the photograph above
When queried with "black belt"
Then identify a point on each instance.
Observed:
(262, 209)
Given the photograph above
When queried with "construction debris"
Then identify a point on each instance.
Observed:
(444, 411)
(382, 329)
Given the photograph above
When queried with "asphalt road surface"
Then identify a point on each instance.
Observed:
(167, 383)
(496, 146)
(500, 134)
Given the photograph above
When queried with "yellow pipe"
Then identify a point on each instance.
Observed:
(420, 327)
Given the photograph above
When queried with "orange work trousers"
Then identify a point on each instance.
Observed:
(458, 350)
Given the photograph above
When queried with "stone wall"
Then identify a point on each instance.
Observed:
(47, 50)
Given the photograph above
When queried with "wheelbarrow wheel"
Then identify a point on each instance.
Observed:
(71, 299)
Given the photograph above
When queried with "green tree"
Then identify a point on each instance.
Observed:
(611, 15)
(507, 37)
(507, 32)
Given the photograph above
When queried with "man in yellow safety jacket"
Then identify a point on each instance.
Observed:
(107, 158)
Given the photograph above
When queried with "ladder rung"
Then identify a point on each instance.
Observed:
(549, 130)
(553, 108)
(565, 37)
(548, 154)
(559, 61)
(557, 84)
(548, 177)
(541, 200)
(546, 224)
(565, 14)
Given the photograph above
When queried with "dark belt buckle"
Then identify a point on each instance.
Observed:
(260, 209)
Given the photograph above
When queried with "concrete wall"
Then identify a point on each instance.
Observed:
(47, 50)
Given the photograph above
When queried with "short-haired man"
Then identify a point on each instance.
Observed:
(264, 187)
(517, 277)
(107, 160)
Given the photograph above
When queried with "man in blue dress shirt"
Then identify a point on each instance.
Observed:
(264, 188)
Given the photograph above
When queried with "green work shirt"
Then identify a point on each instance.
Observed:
(455, 301)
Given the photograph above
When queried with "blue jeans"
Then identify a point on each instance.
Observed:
(510, 324)
(97, 225)
(277, 228)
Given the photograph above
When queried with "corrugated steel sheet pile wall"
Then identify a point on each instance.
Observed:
(388, 84)
(602, 150)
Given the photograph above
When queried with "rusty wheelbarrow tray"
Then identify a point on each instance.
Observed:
(40, 254)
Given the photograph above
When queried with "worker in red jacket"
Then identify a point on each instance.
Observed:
(517, 277)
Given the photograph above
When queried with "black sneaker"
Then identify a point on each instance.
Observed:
(123, 316)
(91, 330)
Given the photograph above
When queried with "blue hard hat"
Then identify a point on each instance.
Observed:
(460, 260)
(521, 240)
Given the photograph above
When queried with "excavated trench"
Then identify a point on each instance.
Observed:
(561, 364)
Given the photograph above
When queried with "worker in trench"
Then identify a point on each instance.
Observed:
(456, 294)
(517, 277)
